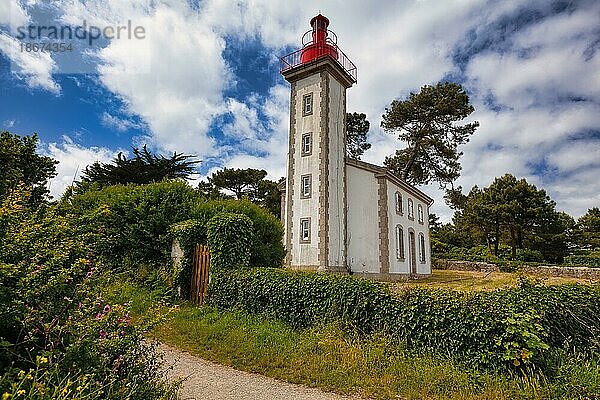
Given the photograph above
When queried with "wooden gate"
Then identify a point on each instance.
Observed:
(200, 266)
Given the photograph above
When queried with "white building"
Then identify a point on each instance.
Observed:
(340, 214)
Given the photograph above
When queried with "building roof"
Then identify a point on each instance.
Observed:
(383, 171)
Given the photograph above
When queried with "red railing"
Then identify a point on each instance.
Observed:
(294, 59)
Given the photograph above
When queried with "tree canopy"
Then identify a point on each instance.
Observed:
(249, 182)
(587, 231)
(21, 164)
(428, 122)
(144, 167)
(517, 213)
(357, 127)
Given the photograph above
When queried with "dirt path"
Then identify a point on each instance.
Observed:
(205, 380)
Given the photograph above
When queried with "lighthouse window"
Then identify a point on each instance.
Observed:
(307, 144)
(306, 186)
(305, 230)
(307, 104)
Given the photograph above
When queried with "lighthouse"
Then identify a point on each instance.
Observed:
(339, 214)
(315, 193)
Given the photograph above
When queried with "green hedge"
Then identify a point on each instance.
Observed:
(229, 240)
(586, 260)
(487, 329)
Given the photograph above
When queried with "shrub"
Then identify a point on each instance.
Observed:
(590, 260)
(509, 327)
(267, 244)
(230, 238)
(132, 221)
(131, 225)
(55, 331)
(529, 255)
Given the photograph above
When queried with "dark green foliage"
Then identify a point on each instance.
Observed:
(588, 260)
(243, 183)
(132, 221)
(132, 224)
(428, 122)
(357, 127)
(587, 231)
(513, 327)
(20, 163)
(267, 247)
(56, 332)
(510, 211)
(144, 167)
(230, 238)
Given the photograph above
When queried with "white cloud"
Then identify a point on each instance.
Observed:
(73, 158)
(35, 68)
(120, 124)
(9, 123)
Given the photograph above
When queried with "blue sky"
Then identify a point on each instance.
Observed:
(205, 81)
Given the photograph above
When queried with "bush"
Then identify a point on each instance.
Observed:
(55, 331)
(267, 244)
(513, 327)
(590, 260)
(131, 225)
(230, 238)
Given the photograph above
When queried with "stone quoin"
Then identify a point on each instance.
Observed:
(340, 214)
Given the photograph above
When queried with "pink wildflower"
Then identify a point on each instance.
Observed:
(106, 308)
(98, 316)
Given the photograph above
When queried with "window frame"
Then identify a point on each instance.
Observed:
(399, 203)
(400, 248)
(420, 214)
(310, 144)
(303, 194)
(307, 96)
(302, 230)
(422, 255)
(411, 209)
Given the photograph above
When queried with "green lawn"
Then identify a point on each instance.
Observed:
(327, 358)
(475, 280)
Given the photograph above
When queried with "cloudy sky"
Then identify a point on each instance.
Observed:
(205, 80)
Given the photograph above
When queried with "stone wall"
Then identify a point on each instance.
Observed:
(544, 270)
(570, 272)
(464, 265)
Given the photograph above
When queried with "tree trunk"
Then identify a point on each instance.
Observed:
(409, 163)
(513, 243)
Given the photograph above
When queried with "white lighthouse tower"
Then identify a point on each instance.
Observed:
(315, 194)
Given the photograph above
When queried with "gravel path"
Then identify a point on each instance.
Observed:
(205, 380)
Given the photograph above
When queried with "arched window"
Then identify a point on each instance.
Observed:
(421, 247)
(420, 214)
(399, 208)
(399, 242)
(411, 209)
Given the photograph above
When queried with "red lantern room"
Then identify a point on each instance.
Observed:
(318, 43)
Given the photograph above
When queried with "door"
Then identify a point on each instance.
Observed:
(413, 252)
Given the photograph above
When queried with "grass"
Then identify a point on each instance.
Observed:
(327, 358)
(475, 280)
